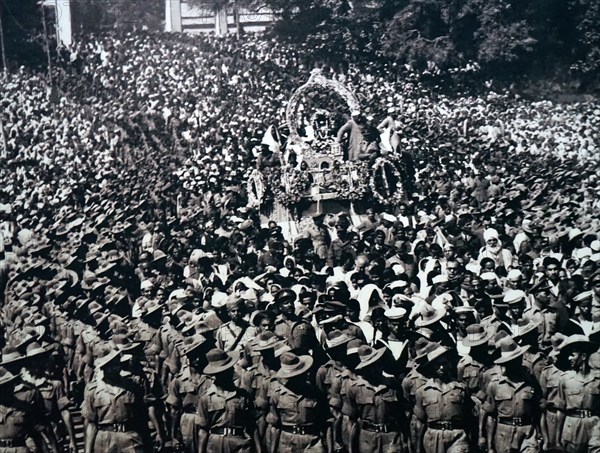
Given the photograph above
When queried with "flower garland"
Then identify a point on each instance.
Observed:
(255, 188)
(291, 186)
(394, 188)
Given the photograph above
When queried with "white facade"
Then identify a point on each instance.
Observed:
(181, 16)
(64, 20)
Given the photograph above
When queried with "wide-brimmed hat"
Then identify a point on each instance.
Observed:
(556, 341)
(195, 347)
(429, 316)
(293, 365)
(6, 376)
(369, 356)
(525, 326)
(476, 336)
(35, 349)
(579, 342)
(509, 350)
(151, 309)
(109, 358)
(11, 355)
(353, 345)
(265, 341)
(219, 361)
(280, 348)
(432, 356)
(336, 338)
(102, 270)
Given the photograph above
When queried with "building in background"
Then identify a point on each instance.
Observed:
(208, 17)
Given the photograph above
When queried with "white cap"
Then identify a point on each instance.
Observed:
(395, 313)
(388, 217)
(490, 233)
(514, 274)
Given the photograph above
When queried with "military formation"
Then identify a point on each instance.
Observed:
(159, 360)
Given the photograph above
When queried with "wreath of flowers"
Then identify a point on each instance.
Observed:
(255, 188)
(396, 192)
(349, 180)
(290, 186)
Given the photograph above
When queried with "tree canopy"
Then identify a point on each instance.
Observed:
(560, 38)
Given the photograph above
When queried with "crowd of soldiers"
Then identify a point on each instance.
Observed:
(465, 319)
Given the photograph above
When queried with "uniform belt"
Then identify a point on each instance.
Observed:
(515, 421)
(581, 413)
(189, 410)
(379, 427)
(236, 432)
(446, 425)
(312, 430)
(551, 409)
(115, 427)
(12, 443)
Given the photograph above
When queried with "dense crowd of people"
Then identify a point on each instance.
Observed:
(140, 285)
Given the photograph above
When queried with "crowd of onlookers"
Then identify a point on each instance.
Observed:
(124, 215)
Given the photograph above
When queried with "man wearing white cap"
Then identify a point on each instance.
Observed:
(493, 249)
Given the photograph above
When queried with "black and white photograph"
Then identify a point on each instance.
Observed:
(299, 226)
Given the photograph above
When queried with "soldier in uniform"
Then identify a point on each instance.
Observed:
(443, 406)
(297, 411)
(53, 393)
(472, 365)
(411, 383)
(225, 414)
(578, 397)
(148, 331)
(234, 334)
(549, 381)
(143, 374)
(184, 392)
(343, 426)
(21, 416)
(287, 319)
(117, 418)
(527, 334)
(254, 379)
(328, 374)
(376, 406)
(512, 404)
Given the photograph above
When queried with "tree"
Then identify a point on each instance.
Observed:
(22, 28)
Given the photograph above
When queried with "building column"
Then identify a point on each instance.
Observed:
(221, 28)
(173, 15)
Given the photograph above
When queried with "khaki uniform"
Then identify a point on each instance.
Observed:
(184, 395)
(226, 416)
(254, 380)
(579, 398)
(120, 416)
(299, 421)
(535, 363)
(231, 337)
(445, 411)
(514, 406)
(339, 401)
(410, 385)
(378, 411)
(549, 382)
(468, 371)
(19, 417)
(327, 378)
